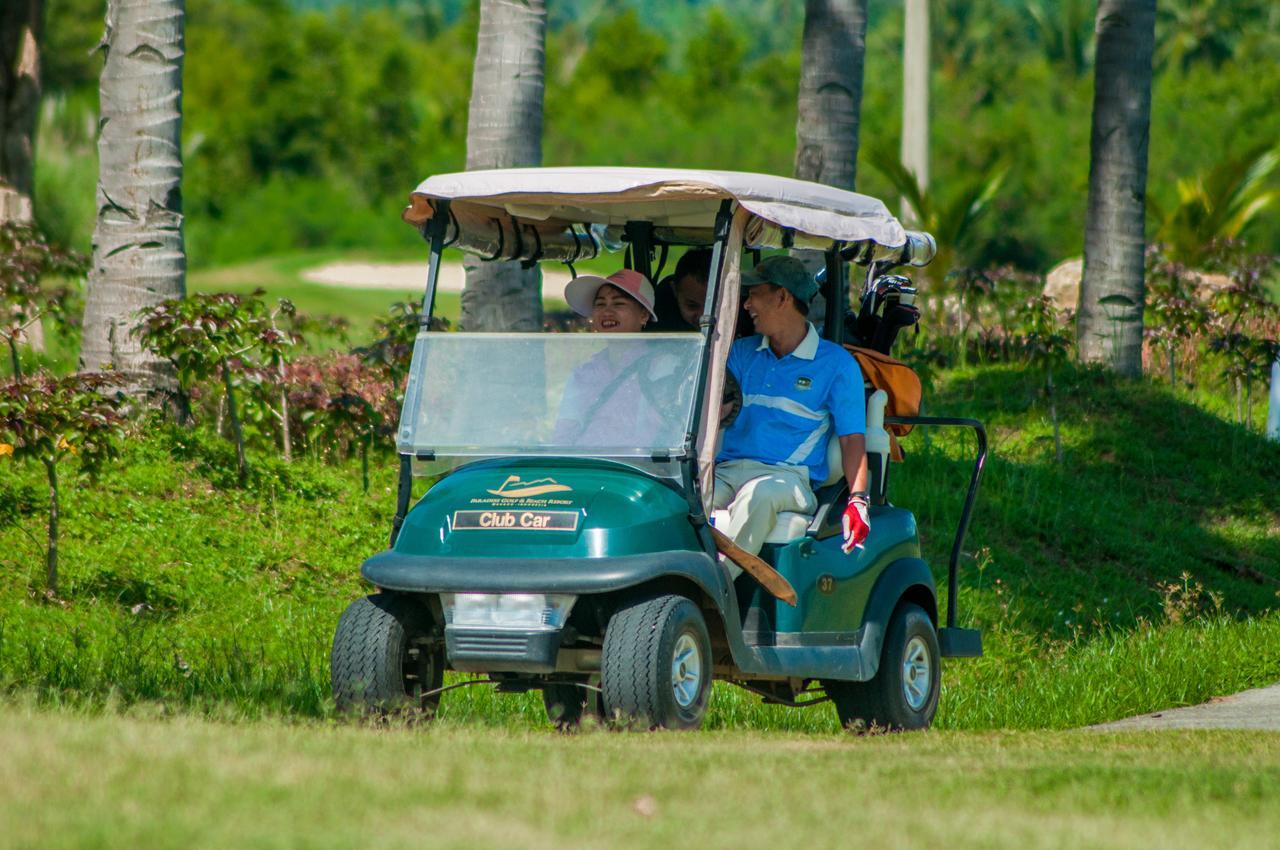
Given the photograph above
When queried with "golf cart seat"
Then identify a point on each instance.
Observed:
(791, 524)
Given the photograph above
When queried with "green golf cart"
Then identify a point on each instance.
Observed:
(582, 564)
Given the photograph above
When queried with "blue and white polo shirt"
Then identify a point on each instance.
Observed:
(791, 404)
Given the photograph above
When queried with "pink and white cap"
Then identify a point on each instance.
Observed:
(581, 291)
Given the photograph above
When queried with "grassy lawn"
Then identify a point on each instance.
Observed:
(71, 781)
(281, 277)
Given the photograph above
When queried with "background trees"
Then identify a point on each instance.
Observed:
(21, 23)
(293, 112)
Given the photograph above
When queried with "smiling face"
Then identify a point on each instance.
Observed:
(614, 311)
(690, 295)
(767, 306)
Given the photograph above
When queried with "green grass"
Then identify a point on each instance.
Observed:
(1153, 486)
(181, 589)
(73, 781)
(281, 277)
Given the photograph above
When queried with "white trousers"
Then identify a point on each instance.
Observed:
(755, 493)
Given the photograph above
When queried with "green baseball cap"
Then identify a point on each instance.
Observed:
(784, 271)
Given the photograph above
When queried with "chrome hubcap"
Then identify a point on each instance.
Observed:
(917, 673)
(686, 670)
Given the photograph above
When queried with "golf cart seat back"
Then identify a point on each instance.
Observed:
(830, 492)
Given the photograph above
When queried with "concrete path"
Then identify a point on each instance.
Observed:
(413, 276)
(1256, 709)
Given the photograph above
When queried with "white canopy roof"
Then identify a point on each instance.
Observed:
(667, 197)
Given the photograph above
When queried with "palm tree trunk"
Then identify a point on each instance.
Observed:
(21, 25)
(830, 100)
(138, 254)
(915, 98)
(1111, 292)
(504, 130)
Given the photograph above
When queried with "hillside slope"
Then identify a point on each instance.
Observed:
(180, 588)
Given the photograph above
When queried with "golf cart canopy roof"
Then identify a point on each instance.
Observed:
(548, 213)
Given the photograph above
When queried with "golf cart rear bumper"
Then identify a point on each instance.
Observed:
(501, 650)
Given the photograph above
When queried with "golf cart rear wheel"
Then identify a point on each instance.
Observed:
(656, 668)
(568, 703)
(904, 693)
(384, 659)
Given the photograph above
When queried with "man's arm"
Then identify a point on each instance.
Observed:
(853, 459)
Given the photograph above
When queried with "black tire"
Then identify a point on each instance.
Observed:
(892, 701)
(568, 704)
(640, 666)
(384, 659)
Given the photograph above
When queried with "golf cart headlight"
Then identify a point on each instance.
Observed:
(507, 610)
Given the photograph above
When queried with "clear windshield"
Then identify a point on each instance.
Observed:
(588, 394)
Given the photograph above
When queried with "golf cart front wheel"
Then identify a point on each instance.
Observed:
(384, 659)
(656, 668)
(904, 693)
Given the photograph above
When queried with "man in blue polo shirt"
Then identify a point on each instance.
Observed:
(797, 390)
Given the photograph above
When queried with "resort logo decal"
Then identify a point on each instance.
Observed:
(515, 493)
(514, 488)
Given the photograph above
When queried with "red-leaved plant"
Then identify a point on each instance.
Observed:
(341, 402)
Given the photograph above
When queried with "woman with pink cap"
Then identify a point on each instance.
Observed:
(604, 400)
(619, 303)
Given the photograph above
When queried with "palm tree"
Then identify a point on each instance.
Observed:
(138, 254)
(830, 101)
(1210, 31)
(504, 130)
(1111, 293)
(20, 28)
(951, 216)
(1218, 204)
(1062, 28)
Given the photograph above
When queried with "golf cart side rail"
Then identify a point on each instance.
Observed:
(962, 641)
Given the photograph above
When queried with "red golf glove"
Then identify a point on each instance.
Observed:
(855, 523)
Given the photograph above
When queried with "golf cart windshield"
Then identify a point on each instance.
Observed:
(594, 395)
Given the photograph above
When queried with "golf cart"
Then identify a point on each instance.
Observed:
(588, 567)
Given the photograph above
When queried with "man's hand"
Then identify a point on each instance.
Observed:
(855, 523)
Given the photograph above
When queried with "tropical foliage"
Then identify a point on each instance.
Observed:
(48, 419)
(218, 335)
(27, 263)
(306, 128)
